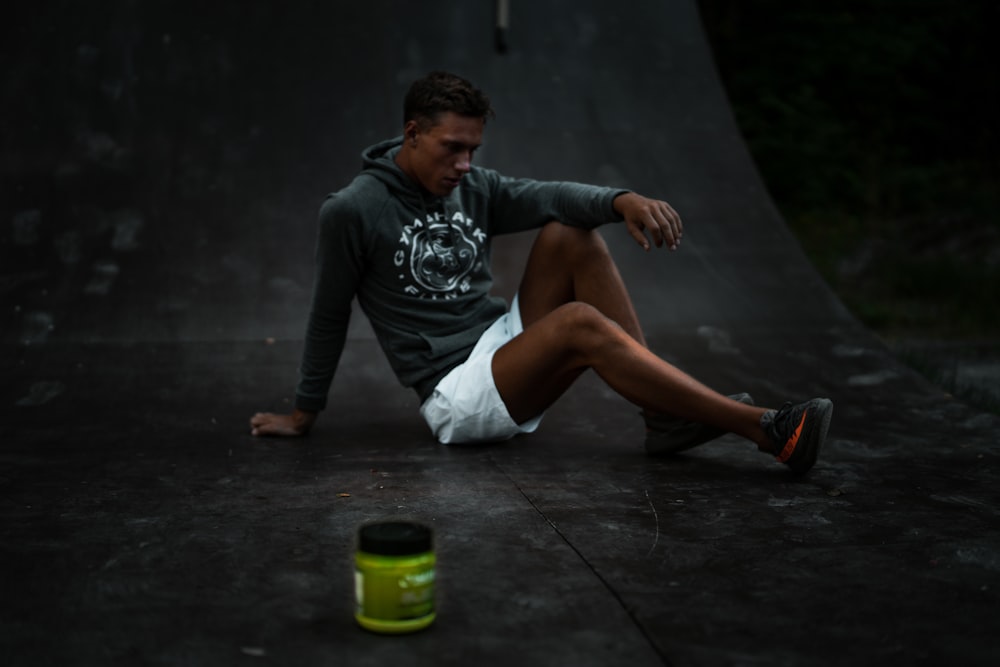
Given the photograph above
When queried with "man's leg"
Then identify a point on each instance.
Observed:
(538, 366)
(567, 264)
(578, 315)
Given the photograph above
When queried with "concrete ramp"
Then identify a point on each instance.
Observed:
(162, 169)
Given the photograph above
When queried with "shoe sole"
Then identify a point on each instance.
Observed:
(684, 434)
(814, 433)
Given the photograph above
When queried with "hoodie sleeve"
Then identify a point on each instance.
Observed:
(339, 262)
(519, 204)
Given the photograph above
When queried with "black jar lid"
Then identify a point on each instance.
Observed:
(395, 538)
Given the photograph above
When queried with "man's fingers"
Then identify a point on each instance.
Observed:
(664, 234)
(658, 228)
(260, 423)
(636, 232)
(669, 224)
(652, 220)
(675, 221)
(266, 423)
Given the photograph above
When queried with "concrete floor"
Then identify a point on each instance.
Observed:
(155, 284)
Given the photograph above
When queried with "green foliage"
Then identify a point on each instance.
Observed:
(873, 124)
(851, 101)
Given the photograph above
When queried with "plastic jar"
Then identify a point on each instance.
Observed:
(394, 577)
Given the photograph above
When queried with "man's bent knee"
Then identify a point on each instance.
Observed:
(565, 239)
(585, 326)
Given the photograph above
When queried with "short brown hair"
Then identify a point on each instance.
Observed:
(440, 92)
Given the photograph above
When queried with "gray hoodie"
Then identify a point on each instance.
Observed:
(419, 265)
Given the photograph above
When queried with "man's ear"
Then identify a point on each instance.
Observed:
(410, 132)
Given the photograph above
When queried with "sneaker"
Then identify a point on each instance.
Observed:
(798, 432)
(669, 435)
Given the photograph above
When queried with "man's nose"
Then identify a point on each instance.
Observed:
(464, 163)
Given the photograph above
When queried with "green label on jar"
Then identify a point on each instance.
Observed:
(395, 598)
(389, 589)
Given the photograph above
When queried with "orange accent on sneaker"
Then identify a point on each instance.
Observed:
(789, 447)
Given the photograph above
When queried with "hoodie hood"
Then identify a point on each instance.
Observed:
(379, 161)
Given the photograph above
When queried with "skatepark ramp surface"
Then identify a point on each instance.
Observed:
(163, 165)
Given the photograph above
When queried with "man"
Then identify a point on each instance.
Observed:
(410, 238)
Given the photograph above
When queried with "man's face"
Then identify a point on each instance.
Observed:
(441, 154)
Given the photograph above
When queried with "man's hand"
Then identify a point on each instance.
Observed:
(657, 218)
(294, 425)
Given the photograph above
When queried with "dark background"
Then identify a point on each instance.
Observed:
(874, 125)
(871, 122)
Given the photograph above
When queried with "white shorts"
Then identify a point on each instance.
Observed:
(466, 406)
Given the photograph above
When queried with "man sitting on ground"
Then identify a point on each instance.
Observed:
(410, 238)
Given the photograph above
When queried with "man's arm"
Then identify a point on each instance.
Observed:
(657, 218)
(519, 204)
(338, 271)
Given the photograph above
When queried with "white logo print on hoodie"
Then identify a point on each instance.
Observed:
(440, 255)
